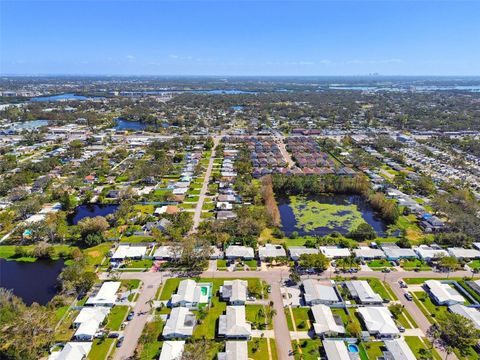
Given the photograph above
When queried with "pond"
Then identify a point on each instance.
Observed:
(32, 281)
(321, 215)
(122, 124)
(90, 210)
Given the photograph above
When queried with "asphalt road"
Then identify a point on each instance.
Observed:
(151, 282)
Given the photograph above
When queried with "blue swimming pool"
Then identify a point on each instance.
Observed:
(352, 348)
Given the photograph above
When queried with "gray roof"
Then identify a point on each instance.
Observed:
(399, 350)
(314, 291)
(234, 324)
(362, 290)
(180, 323)
(234, 290)
(234, 350)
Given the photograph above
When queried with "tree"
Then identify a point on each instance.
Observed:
(353, 328)
(454, 331)
(448, 263)
(362, 232)
(317, 262)
(294, 277)
(96, 225)
(396, 310)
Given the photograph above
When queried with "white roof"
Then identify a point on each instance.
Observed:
(464, 253)
(368, 252)
(477, 245)
(172, 350)
(234, 350)
(324, 320)
(398, 252)
(444, 292)
(363, 290)
(159, 211)
(234, 323)
(180, 322)
(235, 290)
(167, 252)
(297, 251)
(106, 295)
(316, 291)
(427, 252)
(399, 349)
(336, 350)
(127, 251)
(90, 319)
(468, 312)
(334, 252)
(188, 291)
(378, 319)
(270, 251)
(72, 351)
(239, 251)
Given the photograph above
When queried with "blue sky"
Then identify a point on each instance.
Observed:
(240, 38)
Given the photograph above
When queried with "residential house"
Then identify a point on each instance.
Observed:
(297, 251)
(461, 253)
(233, 324)
(336, 350)
(379, 322)
(443, 294)
(88, 322)
(234, 252)
(180, 324)
(368, 253)
(270, 251)
(172, 350)
(129, 252)
(106, 296)
(394, 252)
(234, 291)
(234, 350)
(398, 349)
(333, 252)
(166, 252)
(429, 253)
(190, 294)
(72, 351)
(362, 292)
(325, 323)
(471, 313)
(316, 293)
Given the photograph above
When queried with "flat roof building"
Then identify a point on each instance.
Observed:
(378, 320)
(72, 351)
(239, 252)
(398, 349)
(316, 293)
(234, 291)
(461, 253)
(333, 252)
(368, 253)
(172, 350)
(443, 294)
(179, 324)
(271, 251)
(470, 313)
(234, 350)
(106, 296)
(297, 251)
(428, 253)
(336, 350)
(363, 292)
(129, 252)
(325, 323)
(233, 324)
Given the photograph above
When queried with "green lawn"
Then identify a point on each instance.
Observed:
(416, 281)
(429, 309)
(100, 349)
(258, 349)
(307, 349)
(135, 264)
(256, 315)
(302, 318)
(221, 264)
(381, 263)
(8, 252)
(116, 317)
(416, 345)
(137, 239)
(374, 349)
(208, 206)
(252, 264)
(381, 288)
(475, 264)
(415, 264)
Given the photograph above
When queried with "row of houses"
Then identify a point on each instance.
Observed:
(88, 322)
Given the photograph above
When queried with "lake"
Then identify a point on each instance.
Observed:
(32, 281)
(323, 214)
(122, 124)
(63, 97)
(90, 210)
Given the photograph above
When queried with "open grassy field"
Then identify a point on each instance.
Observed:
(301, 316)
(100, 349)
(307, 349)
(116, 317)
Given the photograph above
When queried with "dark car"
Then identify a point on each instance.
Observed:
(130, 315)
(119, 342)
(113, 335)
(408, 296)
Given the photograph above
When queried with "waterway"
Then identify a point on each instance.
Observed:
(90, 210)
(32, 281)
(323, 214)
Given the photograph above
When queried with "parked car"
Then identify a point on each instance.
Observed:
(408, 296)
(402, 284)
(119, 342)
(269, 289)
(130, 316)
(401, 329)
(386, 270)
